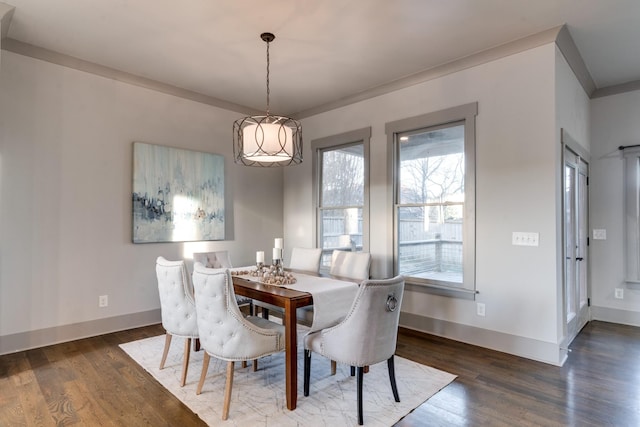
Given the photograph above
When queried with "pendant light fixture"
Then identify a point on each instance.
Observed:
(267, 140)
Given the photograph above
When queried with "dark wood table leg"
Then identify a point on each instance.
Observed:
(291, 355)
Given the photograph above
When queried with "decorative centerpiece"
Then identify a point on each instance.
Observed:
(273, 274)
(270, 275)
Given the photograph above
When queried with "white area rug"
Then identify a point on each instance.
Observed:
(258, 398)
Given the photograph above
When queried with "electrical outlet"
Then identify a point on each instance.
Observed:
(103, 301)
(619, 293)
(480, 309)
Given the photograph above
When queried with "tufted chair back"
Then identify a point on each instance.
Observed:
(218, 259)
(224, 332)
(352, 265)
(177, 308)
(366, 336)
(176, 298)
(306, 259)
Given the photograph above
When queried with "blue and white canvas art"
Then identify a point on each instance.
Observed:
(178, 195)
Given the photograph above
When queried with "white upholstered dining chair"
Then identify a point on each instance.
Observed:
(216, 259)
(352, 265)
(366, 336)
(220, 259)
(305, 259)
(224, 332)
(177, 308)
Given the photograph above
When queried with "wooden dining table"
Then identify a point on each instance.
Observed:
(290, 300)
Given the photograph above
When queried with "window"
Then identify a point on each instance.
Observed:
(341, 175)
(632, 210)
(433, 184)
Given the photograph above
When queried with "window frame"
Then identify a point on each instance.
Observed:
(465, 114)
(359, 136)
(631, 157)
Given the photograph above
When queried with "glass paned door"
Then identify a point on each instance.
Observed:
(575, 243)
(570, 241)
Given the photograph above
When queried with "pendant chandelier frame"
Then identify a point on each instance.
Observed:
(267, 140)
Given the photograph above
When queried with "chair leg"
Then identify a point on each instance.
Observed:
(203, 375)
(307, 371)
(265, 313)
(251, 308)
(392, 378)
(227, 391)
(244, 363)
(167, 343)
(359, 378)
(353, 371)
(185, 361)
(333, 367)
(255, 365)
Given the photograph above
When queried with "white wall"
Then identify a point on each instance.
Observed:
(572, 116)
(516, 178)
(65, 193)
(65, 184)
(614, 122)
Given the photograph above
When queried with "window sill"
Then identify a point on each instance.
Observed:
(445, 291)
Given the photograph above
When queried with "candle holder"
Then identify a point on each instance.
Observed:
(259, 266)
(278, 267)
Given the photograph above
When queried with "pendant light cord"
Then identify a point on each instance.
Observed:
(268, 92)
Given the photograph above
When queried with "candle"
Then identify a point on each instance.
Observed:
(277, 253)
(278, 244)
(260, 256)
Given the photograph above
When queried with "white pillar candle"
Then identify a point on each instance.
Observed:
(260, 256)
(277, 253)
(278, 244)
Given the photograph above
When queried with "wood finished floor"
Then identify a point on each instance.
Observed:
(91, 382)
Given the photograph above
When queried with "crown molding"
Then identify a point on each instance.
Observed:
(616, 89)
(501, 51)
(6, 13)
(570, 51)
(559, 35)
(43, 54)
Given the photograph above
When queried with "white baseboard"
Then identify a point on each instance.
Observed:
(55, 335)
(520, 346)
(614, 315)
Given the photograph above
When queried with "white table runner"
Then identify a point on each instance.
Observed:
(332, 298)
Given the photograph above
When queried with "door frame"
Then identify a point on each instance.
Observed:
(568, 143)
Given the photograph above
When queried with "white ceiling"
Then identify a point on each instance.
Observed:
(325, 50)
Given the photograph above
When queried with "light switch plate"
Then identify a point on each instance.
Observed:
(599, 234)
(520, 238)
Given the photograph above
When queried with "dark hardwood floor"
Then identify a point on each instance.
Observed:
(91, 382)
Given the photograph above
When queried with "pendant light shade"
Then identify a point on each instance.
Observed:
(267, 140)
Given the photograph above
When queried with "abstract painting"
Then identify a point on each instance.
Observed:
(178, 195)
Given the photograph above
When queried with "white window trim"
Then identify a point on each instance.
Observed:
(463, 113)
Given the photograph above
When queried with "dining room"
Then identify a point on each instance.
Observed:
(73, 124)
(353, 322)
